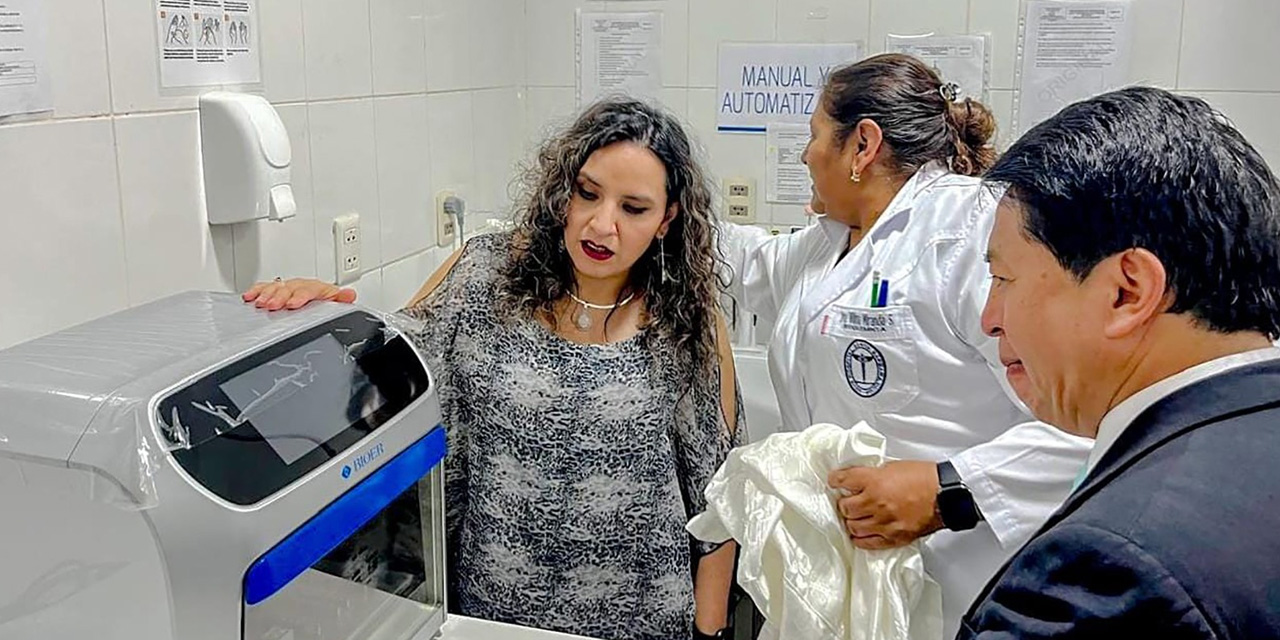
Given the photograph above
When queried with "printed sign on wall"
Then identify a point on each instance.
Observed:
(761, 84)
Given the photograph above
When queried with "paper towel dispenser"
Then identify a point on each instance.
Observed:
(246, 156)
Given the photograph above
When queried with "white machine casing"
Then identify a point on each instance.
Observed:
(106, 536)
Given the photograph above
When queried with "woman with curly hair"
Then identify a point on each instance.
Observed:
(587, 387)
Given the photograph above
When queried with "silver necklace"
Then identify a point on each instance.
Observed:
(582, 319)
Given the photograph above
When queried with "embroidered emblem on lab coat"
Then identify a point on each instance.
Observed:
(864, 368)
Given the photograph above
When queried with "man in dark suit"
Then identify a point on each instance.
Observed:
(1136, 295)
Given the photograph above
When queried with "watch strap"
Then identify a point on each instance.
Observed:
(947, 475)
(956, 506)
(722, 634)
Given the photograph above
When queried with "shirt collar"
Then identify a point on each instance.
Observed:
(1122, 415)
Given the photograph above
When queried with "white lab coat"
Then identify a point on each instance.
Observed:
(920, 370)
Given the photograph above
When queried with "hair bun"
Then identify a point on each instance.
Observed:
(974, 126)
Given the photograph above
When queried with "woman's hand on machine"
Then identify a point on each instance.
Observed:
(295, 293)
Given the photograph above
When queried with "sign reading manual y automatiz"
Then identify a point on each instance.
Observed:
(764, 83)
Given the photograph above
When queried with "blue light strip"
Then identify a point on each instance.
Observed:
(341, 519)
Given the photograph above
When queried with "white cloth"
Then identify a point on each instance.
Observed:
(796, 561)
(1122, 415)
(920, 371)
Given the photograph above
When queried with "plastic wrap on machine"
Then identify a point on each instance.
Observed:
(71, 399)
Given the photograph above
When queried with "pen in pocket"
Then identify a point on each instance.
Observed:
(879, 291)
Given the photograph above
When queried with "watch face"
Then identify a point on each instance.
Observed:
(957, 508)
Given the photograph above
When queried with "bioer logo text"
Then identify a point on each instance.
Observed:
(363, 460)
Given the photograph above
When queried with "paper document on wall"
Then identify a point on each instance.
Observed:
(24, 68)
(789, 181)
(619, 54)
(207, 42)
(959, 59)
(1071, 50)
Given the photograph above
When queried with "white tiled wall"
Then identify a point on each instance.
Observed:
(65, 261)
(389, 101)
(385, 101)
(1221, 50)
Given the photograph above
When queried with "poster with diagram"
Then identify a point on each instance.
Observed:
(207, 42)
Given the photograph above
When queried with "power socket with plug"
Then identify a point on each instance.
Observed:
(446, 224)
(346, 248)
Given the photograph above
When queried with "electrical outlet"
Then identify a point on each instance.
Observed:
(446, 225)
(346, 248)
(740, 188)
(740, 200)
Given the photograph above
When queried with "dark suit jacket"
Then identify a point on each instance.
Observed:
(1175, 534)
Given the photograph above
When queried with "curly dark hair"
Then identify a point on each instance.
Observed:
(540, 271)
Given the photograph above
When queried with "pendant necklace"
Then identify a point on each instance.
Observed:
(582, 319)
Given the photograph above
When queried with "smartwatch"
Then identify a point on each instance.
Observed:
(955, 503)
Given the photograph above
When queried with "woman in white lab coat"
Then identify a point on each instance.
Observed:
(876, 311)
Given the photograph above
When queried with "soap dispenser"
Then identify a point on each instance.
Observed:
(246, 156)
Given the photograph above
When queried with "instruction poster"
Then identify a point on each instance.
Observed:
(619, 54)
(24, 72)
(959, 59)
(759, 84)
(789, 181)
(1071, 50)
(208, 42)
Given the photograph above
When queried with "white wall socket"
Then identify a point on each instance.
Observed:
(346, 248)
(446, 231)
(740, 200)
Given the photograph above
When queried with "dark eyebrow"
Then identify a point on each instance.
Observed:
(641, 200)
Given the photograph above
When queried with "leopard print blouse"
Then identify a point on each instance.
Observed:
(572, 469)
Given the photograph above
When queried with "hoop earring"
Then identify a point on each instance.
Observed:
(855, 177)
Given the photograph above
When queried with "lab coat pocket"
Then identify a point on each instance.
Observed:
(876, 351)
